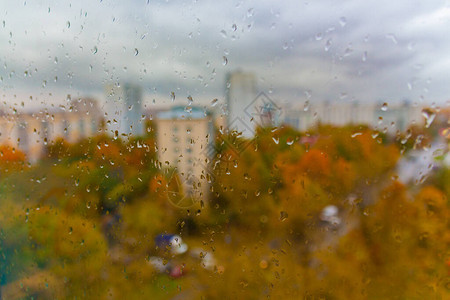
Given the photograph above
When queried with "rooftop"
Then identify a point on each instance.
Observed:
(183, 112)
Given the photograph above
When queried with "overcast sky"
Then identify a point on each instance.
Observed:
(325, 50)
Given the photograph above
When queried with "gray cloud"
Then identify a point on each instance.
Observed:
(336, 50)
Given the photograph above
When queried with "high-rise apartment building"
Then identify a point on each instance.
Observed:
(240, 94)
(126, 100)
(184, 137)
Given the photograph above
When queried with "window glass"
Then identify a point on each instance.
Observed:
(224, 149)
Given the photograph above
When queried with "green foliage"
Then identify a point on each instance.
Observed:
(15, 251)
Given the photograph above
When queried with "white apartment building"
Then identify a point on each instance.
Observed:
(31, 132)
(184, 139)
(390, 118)
(240, 93)
(127, 102)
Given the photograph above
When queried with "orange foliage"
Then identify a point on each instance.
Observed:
(9, 154)
(108, 151)
(157, 183)
(432, 197)
(344, 174)
(316, 163)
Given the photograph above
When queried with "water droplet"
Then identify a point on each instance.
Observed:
(319, 36)
(250, 13)
(234, 27)
(392, 37)
(214, 102)
(290, 141)
(136, 51)
(429, 116)
(348, 50)
(397, 236)
(356, 134)
(328, 45)
(225, 61)
(68, 24)
(190, 100)
(342, 21)
(223, 33)
(188, 109)
(276, 139)
(172, 96)
(308, 94)
(384, 107)
(438, 152)
(283, 216)
(306, 106)
(364, 57)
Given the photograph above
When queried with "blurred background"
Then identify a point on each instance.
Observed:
(194, 149)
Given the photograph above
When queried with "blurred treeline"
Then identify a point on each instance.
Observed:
(81, 223)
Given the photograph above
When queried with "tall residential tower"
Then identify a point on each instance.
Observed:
(240, 93)
(127, 101)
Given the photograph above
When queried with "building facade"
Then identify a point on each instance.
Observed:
(127, 102)
(184, 137)
(32, 132)
(388, 118)
(240, 93)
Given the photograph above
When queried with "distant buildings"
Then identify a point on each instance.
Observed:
(248, 109)
(31, 132)
(384, 117)
(184, 137)
(240, 93)
(127, 99)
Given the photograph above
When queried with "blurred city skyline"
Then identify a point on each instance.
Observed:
(298, 51)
